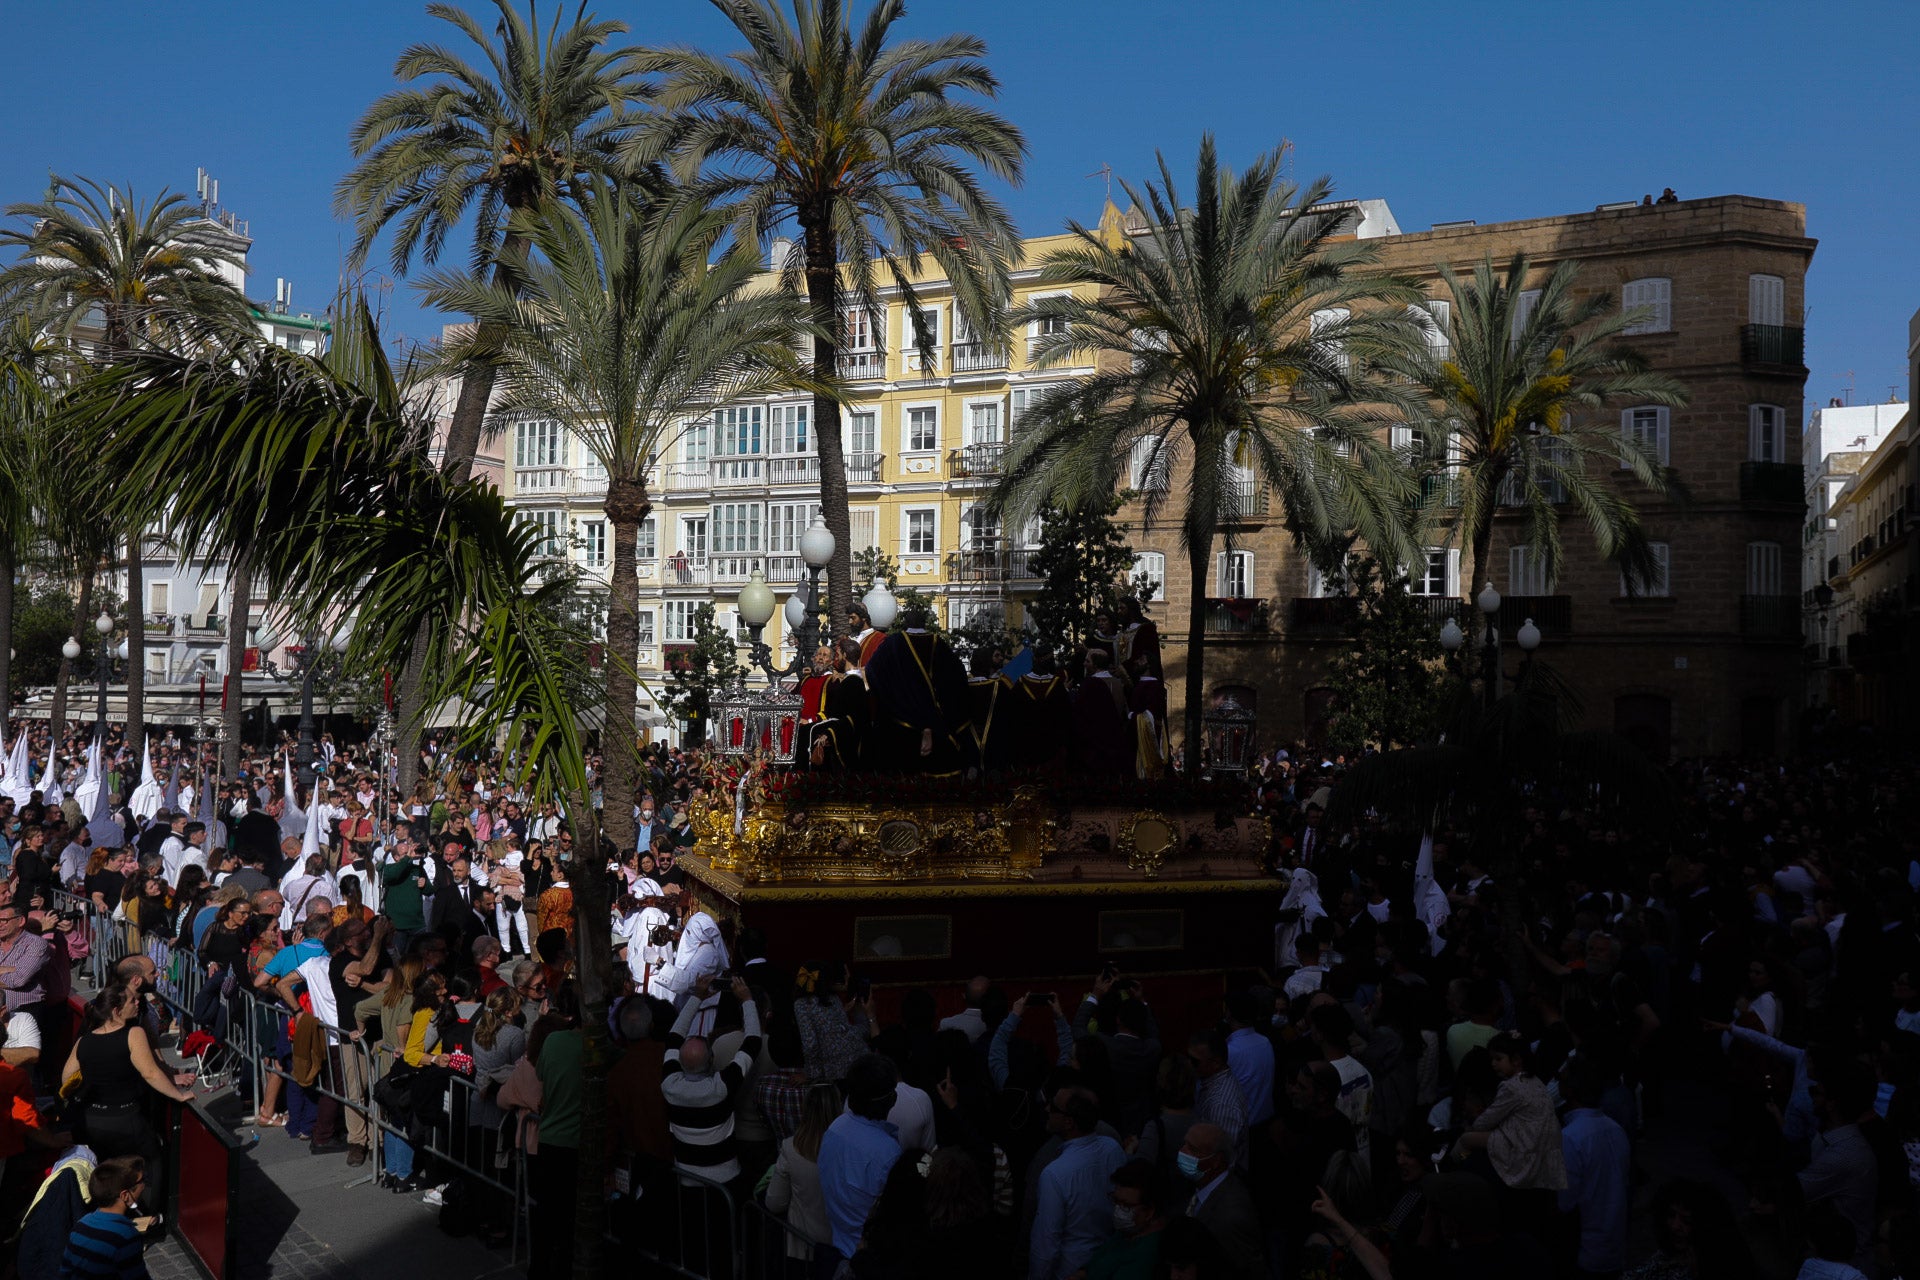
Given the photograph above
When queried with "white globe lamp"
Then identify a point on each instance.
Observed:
(816, 545)
(756, 600)
(882, 608)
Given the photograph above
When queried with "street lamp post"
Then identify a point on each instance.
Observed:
(103, 672)
(802, 610)
(1453, 640)
(315, 649)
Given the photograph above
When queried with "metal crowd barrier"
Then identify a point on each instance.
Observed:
(695, 1227)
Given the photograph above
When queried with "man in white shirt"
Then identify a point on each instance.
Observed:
(174, 847)
(970, 1019)
(310, 884)
(23, 1039)
(912, 1115)
(1306, 980)
(73, 858)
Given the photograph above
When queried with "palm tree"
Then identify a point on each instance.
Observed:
(1238, 336)
(25, 393)
(514, 134)
(110, 276)
(621, 329)
(866, 146)
(1510, 410)
(320, 470)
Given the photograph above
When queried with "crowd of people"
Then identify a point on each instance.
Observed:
(1603, 1051)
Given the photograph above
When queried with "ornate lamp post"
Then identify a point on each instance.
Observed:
(802, 611)
(315, 649)
(1453, 640)
(103, 671)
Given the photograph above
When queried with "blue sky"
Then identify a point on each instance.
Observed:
(1472, 109)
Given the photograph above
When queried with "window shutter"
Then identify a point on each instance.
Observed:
(1453, 572)
(1664, 560)
(1766, 300)
(863, 529)
(1523, 308)
(1519, 580)
(1626, 435)
(1763, 568)
(1665, 418)
(1400, 436)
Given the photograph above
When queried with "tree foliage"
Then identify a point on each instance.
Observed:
(1390, 685)
(1083, 563)
(700, 671)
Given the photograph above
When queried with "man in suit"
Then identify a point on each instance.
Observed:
(1222, 1202)
(458, 915)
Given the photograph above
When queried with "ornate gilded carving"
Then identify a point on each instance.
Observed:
(1148, 840)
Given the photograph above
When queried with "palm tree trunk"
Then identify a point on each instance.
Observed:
(6, 631)
(593, 969)
(82, 620)
(1483, 533)
(823, 300)
(456, 460)
(1199, 560)
(233, 711)
(136, 640)
(626, 507)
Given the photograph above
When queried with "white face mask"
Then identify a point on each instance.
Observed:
(1123, 1218)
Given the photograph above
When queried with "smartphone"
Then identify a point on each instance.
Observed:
(862, 988)
(1039, 998)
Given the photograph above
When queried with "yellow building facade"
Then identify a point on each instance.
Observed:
(733, 490)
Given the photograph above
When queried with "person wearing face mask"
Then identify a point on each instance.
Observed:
(644, 823)
(1221, 1201)
(1133, 1251)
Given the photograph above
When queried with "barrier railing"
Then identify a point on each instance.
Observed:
(778, 1247)
(689, 1226)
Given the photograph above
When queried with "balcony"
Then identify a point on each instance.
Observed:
(1772, 482)
(1780, 345)
(983, 565)
(688, 477)
(1440, 490)
(542, 482)
(861, 366)
(1237, 616)
(976, 461)
(1770, 617)
(978, 357)
(864, 468)
(1243, 503)
(1321, 617)
(683, 570)
(786, 569)
(739, 473)
(735, 568)
(793, 470)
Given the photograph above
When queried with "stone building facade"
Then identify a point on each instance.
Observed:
(1708, 661)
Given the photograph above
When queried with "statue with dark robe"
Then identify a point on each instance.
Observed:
(921, 722)
(1102, 722)
(1034, 720)
(838, 736)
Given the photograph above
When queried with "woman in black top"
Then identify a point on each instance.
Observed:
(223, 951)
(117, 1067)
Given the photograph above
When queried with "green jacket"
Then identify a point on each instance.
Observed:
(402, 899)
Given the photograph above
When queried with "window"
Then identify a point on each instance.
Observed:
(1147, 465)
(159, 597)
(680, 619)
(1234, 575)
(647, 541)
(1400, 439)
(919, 538)
(1763, 568)
(1658, 583)
(863, 529)
(786, 521)
(862, 435)
(1150, 569)
(929, 318)
(539, 444)
(983, 423)
(1527, 573)
(858, 330)
(1023, 399)
(1766, 300)
(1646, 425)
(645, 624)
(1048, 326)
(1435, 318)
(157, 665)
(965, 611)
(979, 530)
(923, 428)
(593, 543)
(1429, 576)
(736, 527)
(1342, 447)
(789, 428)
(1766, 433)
(1655, 293)
(1334, 318)
(1523, 306)
(550, 525)
(696, 440)
(693, 537)
(737, 431)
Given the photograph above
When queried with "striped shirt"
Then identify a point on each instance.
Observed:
(700, 1107)
(104, 1244)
